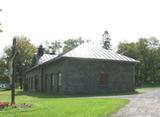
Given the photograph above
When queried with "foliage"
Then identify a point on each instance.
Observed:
(52, 106)
(23, 59)
(3, 67)
(56, 47)
(147, 51)
(53, 47)
(2, 64)
(72, 43)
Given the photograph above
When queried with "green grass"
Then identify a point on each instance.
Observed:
(147, 86)
(140, 90)
(63, 106)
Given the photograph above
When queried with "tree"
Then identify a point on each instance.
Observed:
(23, 59)
(3, 75)
(72, 43)
(106, 40)
(53, 47)
(146, 50)
(128, 49)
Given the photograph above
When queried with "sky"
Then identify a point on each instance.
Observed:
(48, 20)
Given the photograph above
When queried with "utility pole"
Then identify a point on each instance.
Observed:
(14, 72)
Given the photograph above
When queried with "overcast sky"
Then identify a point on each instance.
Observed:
(42, 20)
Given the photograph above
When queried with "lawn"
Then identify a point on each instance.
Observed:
(147, 86)
(62, 106)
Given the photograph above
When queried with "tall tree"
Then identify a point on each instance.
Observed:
(106, 40)
(23, 59)
(72, 43)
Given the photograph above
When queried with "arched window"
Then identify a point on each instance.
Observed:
(59, 79)
(29, 82)
(45, 82)
(36, 83)
(51, 81)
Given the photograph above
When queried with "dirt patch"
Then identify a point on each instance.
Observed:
(24, 105)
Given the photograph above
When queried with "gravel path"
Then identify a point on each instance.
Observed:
(141, 105)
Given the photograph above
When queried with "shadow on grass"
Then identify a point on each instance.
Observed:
(39, 95)
(45, 95)
(149, 85)
(4, 90)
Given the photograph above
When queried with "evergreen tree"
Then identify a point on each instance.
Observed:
(106, 40)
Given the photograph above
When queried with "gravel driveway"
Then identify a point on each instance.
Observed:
(141, 105)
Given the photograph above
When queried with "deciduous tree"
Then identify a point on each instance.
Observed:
(147, 51)
(53, 47)
(72, 43)
(23, 59)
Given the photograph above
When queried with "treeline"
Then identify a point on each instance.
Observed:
(147, 51)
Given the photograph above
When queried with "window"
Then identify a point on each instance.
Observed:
(45, 82)
(36, 83)
(30, 82)
(59, 79)
(52, 79)
(51, 82)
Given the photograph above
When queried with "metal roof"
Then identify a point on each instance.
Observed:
(88, 51)
(45, 58)
(91, 51)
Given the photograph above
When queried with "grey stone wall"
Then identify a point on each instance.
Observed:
(54, 69)
(82, 76)
(31, 77)
(43, 75)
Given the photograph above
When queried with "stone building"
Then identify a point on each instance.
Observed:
(87, 69)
